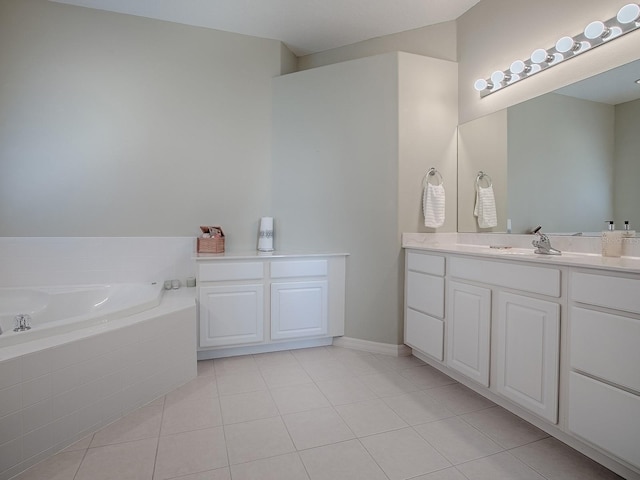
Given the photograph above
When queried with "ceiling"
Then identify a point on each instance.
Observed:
(305, 26)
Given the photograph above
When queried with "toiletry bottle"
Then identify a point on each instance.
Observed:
(627, 234)
(611, 241)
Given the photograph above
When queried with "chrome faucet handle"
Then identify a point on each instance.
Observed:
(22, 323)
(543, 244)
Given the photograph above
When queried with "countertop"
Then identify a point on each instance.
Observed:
(255, 255)
(570, 259)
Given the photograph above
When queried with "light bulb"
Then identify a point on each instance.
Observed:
(481, 84)
(540, 56)
(628, 14)
(566, 44)
(595, 30)
(517, 67)
(497, 77)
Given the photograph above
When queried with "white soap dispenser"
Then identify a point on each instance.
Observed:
(627, 234)
(611, 241)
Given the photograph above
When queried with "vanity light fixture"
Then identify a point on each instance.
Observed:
(595, 34)
(638, 81)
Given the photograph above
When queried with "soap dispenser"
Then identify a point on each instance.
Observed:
(611, 241)
(627, 232)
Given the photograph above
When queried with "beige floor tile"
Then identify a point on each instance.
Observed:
(283, 467)
(306, 355)
(326, 369)
(231, 365)
(417, 407)
(205, 367)
(190, 452)
(457, 441)
(62, 466)
(314, 428)
(425, 376)
(197, 388)
(341, 461)
(370, 417)
(193, 413)
(504, 428)
(557, 461)
(447, 474)
(399, 363)
(360, 364)
(81, 444)
(244, 407)
(157, 401)
(403, 454)
(298, 398)
(257, 439)
(218, 474)
(460, 399)
(141, 423)
(387, 384)
(343, 391)
(502, 466)
(124, 461)
(240, 382)
(284, 375)
(275, 359)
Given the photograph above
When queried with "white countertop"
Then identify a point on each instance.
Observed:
(572, 259)
(255, 255)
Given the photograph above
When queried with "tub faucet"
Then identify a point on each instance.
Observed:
(23, 323)
(543, 244)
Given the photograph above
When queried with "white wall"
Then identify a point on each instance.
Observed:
(116, 125)
(627, 165)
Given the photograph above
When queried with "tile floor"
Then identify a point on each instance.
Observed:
(324, 413)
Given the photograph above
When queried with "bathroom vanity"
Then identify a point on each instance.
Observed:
(554, 339)
(253, 303)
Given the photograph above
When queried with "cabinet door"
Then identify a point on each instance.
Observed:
(425, 293)
(231, 315)
(468, 330)
(299, 309)
(424, 333)
(528, 351)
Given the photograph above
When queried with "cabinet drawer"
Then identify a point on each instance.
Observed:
(424, 333)
(604, 291)
(605, 416)
(221, 271)
(545, 281)
(425, 293)
(606, 346)
(299, 268)
(425, 263)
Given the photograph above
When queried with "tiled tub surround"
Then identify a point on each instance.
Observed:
(551, 338)
(56, 390)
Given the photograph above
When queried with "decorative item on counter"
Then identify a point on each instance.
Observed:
(191, 282)
(611, 241)
(175, 284)
(265, 236)
(211, 240)
(167, 285)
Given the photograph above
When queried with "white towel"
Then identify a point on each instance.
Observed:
(433, 205)
(485, 208)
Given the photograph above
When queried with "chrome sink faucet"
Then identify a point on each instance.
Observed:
(23, 323)
(543, 244)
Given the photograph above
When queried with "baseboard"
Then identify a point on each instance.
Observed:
(373, 347)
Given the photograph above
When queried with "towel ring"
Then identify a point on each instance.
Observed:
(432, 173)
(483, 176)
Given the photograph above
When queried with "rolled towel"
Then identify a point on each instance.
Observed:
(433, 205)
(485, 208)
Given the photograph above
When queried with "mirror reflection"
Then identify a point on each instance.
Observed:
(568, 160)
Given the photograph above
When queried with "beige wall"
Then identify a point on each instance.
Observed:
(482, 145)
(494, 33)
(437, 41)
(627, 165)
(116, 125)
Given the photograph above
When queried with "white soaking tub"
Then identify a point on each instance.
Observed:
(60, 309)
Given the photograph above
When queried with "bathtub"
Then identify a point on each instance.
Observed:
(94, 353)
(60, 309)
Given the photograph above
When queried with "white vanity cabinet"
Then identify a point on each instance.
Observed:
(469, 330)
(424, 303)
(528, 353)
(604, 352)
(253, 303)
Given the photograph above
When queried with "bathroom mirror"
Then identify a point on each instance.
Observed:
(568, 160)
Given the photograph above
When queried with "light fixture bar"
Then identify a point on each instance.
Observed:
(595, 34)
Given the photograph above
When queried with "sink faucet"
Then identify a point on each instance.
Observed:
(23, 323)
(543, 244)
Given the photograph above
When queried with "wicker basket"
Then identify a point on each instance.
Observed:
(210, 245)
